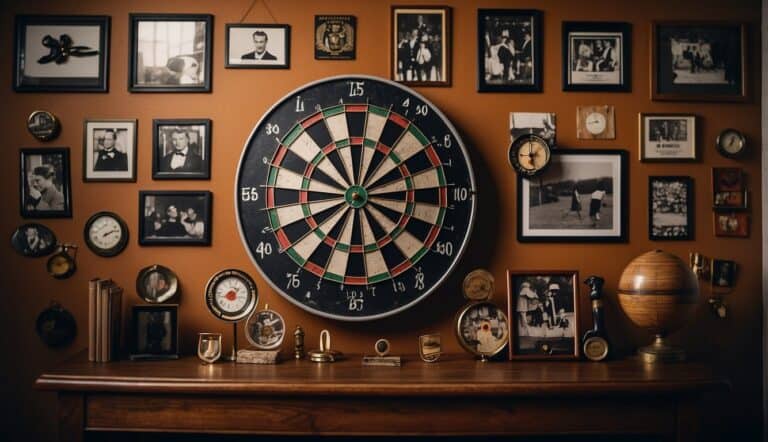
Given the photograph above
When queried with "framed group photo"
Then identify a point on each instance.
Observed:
(335, 37)
(509, 50)
(175, 217)
(670, 208)
(109, 150)
(421, 45)
(597, 56)
(45, 186)
(667, 137)
(181, 149)
(258, 46)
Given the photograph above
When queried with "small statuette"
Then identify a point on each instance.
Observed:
(429, 347)
(699, 265)
(325, 354)
(298, 347)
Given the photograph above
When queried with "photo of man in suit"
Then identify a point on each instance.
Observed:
(259, 48)
(182, 158)
(109, 158)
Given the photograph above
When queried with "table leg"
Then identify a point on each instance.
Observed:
(71, 417)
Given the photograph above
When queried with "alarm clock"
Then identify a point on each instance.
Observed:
(529, 154)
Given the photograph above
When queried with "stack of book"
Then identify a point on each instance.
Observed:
(105, 308)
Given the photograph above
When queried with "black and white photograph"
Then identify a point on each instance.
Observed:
(730, 200)
(109, 150)
(33, 240)
(258, 46)
(421, 45)
(509, 50)
(580, 197)
(44, 183)
(181, 149)
(335, 37)
(483, 329)
(670, 208)
(723, 273)
(596, 56)
(543, 314)
(175, 217)
(61, 53)
(170, 53)
(734, 224)
(541, 124)
(155, 333)
(667, 137)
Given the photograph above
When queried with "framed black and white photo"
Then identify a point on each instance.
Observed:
(421, 45)
(509, 50)
(154, 332)
(170, 53)
(580, 197)
(181, 149)
(335, 37)
(109, 150)
(541, 124)
(698, 61)
(670, 208)
(44, 183)
(597, 57)
(61, 53)
(175, 217)
(723, 273)
(667, 137)
(258, 46)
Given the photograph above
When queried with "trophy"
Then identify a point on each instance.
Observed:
(209, 347)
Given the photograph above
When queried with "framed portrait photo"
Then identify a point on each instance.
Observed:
(175, 217)
(509, 50)
(258, 46)
(335, 37)
(44, 185)
(543, 314)
(181, 149)
(733, 224)
(670, 208)
(109, 150)
(698, 61)
(421, 45)
(61, 53)
(170, 53)
(667, 137)
(597, 56)
(154, 332)
(723, 273)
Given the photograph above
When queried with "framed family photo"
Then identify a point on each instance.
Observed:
(61, 53)
(45, 186)
(175, 217)
(181, 149)
(733, 224)
(421, 45)
(667, 137)
(597, 56)
(670, 208)
(109, 150)
(335, 37)
(509, 50)
(257, 46)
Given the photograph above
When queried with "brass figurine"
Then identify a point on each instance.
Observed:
(298, 339)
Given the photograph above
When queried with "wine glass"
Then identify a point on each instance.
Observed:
(209, 347)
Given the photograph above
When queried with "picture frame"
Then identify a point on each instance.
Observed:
(181, 149)
(154, 332)
(731, 224)
(543, 312)
(518, 70)
(541, 124)
(184, 65)
(670, 208)
(548, 209)
(335, 37)
(730, 200)
(482, 329)
(257, 46)
(109, 150)
(728, 179)
(173, 217)
(39, 64)
(698, 61)
(723, 273)
(597, 56)
(44, 183)
(34, 240)
(667, 137)
(410, 26)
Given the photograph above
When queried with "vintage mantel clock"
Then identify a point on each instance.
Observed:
(481, 327)
(231, 295)
(355, 197)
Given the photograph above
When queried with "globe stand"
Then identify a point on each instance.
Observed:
(660, 351)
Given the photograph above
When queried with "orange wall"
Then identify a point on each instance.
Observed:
(238, 99)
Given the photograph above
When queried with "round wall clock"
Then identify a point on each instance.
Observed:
(731, 143)
(231, 295)
(265, 329)
(529, 154)
(156, 284)
(106, 234)
(355, 197)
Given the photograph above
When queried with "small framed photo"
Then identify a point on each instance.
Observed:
(154, 332)
(61, 53)
(258, 46)
(723, 273)
(597, 56)
(509, 50)
(44, 183)
(730, 200)
(34, 240)
(421, 45)
(734, 224)
(175, 217)
(335, 37)
(543, 314)
(667, 137)
(670, 208)
(181, 149)
(170, 53)
(580, 197)
(727, 179)
(109, 150)
(541, 124)
(698, 61)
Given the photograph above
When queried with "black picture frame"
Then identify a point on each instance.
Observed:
(443, 74)
(128, 127)
(671, 232)
(594, 76)
(34, 240)
(139, 349)
(230, 63)
(151, 224)
(183, 59)
(723, 273)
(24, 81)
(197, 159)
(347, 32)
(60, 168)
(484, 17)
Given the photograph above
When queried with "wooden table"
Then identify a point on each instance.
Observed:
(455, 396)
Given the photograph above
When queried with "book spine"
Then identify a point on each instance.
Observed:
(103, 332)
(116, 320)
(97, 322)
(92, 319)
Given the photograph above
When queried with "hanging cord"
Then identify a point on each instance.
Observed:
(253, 4)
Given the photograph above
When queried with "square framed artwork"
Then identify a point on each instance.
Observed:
(580, 197)
(728, 179)
(109, 150)
(509, 50)
(698, 61)
(543, 307)
(421, 45)
(181, 149)
(597, 56)
(723, 273)
(154, 332)
(734, 224)
(335, 37)
(41, 64)
(670, 208)
(175, 217)
(257, 46)
(667, 137)
(44, 187)
(170, 53)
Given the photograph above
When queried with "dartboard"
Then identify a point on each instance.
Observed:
(355, 197)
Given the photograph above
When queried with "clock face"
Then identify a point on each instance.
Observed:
(231, 295)
(529, 154)
(355, 197)
(731, 143)
(595, 123)
(106, 234)
(478, 285)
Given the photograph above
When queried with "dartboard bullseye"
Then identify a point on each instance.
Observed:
(355, 197)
